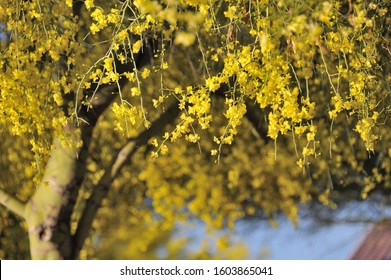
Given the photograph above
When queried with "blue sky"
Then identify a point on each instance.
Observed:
(312, 240)
(335, 242)
(309, 240)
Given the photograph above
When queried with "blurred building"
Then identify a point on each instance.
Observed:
(376, 244)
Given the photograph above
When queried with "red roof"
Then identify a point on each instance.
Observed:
(376, 245)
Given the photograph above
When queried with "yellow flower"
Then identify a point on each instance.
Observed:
(89, 4)
(135, 91)
(145, 73)
(184, 38)
(231, 13)
(137, 46)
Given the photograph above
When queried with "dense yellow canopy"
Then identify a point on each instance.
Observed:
(176, 109)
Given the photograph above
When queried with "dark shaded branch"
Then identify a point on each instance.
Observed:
(103, 98)
(12, 203)
(124, 155)
(77, 6)
(253, 115)
(91, 116)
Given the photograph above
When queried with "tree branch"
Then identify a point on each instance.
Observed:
(12, 203)
(102, 100)
(124, 155)
(253, 115)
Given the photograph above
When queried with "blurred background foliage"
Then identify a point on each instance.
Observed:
(313, 78)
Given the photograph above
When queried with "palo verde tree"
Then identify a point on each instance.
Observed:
(155, 112)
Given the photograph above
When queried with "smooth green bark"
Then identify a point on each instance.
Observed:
(12, 203)
(49, 237)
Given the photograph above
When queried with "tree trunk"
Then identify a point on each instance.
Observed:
(49, 233)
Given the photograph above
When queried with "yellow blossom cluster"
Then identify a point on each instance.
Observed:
(33, 83)
(297, 67)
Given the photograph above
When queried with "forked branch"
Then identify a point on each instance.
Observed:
(124, 155)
